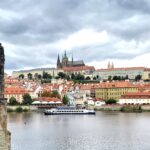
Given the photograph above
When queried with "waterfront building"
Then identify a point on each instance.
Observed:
(114, 90)
(135, 98)
(16, 92)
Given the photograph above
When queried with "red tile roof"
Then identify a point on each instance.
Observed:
(136, 95)
(15, 90)
(48, 99)
(117, 84)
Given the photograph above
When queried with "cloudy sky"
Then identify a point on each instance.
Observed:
(33, 32)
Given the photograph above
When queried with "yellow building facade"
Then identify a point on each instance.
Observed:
(114, 92)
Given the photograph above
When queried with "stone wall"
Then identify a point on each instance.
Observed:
(4, 134)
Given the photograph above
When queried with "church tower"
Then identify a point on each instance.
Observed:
(108, 66)
(65, 60)
(112, 65)
(72, 60)
(58, 62)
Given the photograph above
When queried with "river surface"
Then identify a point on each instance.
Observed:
(103, 131)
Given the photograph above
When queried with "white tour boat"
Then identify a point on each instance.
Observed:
(67, 110)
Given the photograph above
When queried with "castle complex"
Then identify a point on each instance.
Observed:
(4, 134)
(66, 63)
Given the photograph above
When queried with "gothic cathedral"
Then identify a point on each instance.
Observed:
(66, 63)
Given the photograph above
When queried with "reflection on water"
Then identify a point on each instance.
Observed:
(103, 131)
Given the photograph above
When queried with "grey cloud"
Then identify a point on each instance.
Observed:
(46, 22)
(103, 52)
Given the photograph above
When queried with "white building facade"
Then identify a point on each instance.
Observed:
(135, 98)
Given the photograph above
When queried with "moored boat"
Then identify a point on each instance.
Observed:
(68, 110)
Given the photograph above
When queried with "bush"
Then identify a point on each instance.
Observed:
(25, 110)
(13, 101)
(19, 109)
(111, 101)
(9, 110)
(131, 108)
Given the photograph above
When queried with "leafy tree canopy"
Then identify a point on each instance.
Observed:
(55, 94)
(13, 101)
(65, 100)
(27, 100)
(111, 101)
(46, 94)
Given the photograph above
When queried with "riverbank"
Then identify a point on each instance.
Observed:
(21, 108)
(124, 108)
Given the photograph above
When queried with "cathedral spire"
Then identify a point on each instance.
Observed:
(58, 62)
(108, 66)
(112, 66)
(65, 55)
(72, 59)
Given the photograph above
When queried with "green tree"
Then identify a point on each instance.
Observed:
(79, 77)
(65, 100)
(87, 78)
(110, 78)
(115, 77)
(111, 101)
(27, 100)
(46, 94)
(138, 77)
(55, 94)
(29, 76)
(68, 77)
(13, 101)
(62, 75)
(57, 77)
(72, 76)
(94, 78)
(46, 75)
(126, 77)
(39, 76)
(21, 76)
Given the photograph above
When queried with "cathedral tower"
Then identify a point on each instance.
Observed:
(58, 62)
(65, 60)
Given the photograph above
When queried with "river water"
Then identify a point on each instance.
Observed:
(103, 131)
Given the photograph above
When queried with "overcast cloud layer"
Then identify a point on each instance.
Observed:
(33, 32)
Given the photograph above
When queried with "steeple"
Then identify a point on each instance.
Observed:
(58, 62)
(65, 54)
(112, 65)
(72, 59)
(108, 66)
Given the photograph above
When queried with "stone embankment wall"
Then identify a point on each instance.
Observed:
(4, 134)
(130, 108)
(145, 107)
(109, 107)
(31, 108)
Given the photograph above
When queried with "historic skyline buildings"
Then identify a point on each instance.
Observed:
(66, 63)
